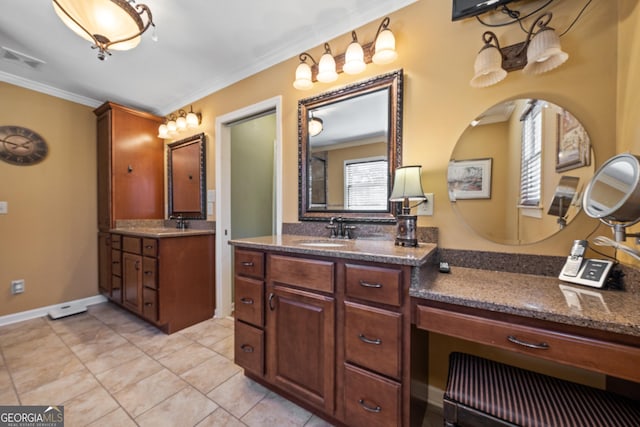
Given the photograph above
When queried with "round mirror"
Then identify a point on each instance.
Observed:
(517, 172)
(614, 192)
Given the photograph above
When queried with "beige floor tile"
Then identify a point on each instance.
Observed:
(220, 418)
(187, 358)
(147, 393)
(110, 314)
(16, 354)
(35, 375)
(115, 379)
(117, 418)
(77, 324)
(274, 410)
(185, 408)
(215, 335)
(227, 322)
(113, 358)
(162, 345)
(8, 395)
(141, 334)
(208, 332)
(60, 390)
(88, 407)
(225, 347)
(238, 394)
(38, 322)
(20, 335)
(98, 342)
(210, 373)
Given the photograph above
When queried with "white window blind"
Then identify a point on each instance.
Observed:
(365, 184)
(531, 156)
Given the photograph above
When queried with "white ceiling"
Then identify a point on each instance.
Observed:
(202, 46)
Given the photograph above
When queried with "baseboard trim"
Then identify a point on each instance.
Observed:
(43, 311)
(434, 395)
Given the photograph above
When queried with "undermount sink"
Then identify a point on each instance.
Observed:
(321, 243)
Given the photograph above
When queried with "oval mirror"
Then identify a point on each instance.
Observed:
(517, 172)
(614, 192)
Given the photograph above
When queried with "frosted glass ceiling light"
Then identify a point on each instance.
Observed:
(172, 126)
(488, 65)
(163, 131)
(315, 125)
(304, 79)
(544, 52)
(181, 121)
(327, 67)
(385, 44)
(354, 57)
(108, 24)
(193, 119)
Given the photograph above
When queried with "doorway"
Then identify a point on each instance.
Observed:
(241, 207)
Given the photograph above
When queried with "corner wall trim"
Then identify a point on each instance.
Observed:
(42, 311)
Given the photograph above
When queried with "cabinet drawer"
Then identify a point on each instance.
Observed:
(373, 338)
(249, 300)
(150, 272)
(116, 241)
(371, 400)
(116, 288)
(150, 247)
(301, 272)
(116, 263)
(132, 244)
(376, 284)
(150, 304)
(609, 358)
(249, 348)
(249, 263)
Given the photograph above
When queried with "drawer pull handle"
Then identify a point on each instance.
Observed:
(540, 346)
(248, 301)
(115, 262)
(246, 348)
(115, 289)
(148, 272)
(271, 296)
(370, 285)
(148, 304)
(364, 339)
(148, 246)
(369, 408)
(247, 263)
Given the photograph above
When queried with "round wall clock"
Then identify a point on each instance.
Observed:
(21, 146)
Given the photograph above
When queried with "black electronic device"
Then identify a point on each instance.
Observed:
(468, 8)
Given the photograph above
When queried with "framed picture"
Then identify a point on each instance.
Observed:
(469, 179)
(573, 144)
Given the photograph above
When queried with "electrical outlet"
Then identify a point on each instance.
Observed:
(17, 286)
(426, 208)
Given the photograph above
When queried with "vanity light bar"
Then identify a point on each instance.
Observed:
(175, 125)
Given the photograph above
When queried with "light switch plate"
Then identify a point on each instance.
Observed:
(426, 208)
(4, 208)
(211, 196)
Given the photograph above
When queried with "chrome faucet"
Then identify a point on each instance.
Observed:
(181, 223)
(339, 230)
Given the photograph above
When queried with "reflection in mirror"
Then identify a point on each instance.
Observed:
(541, 159)
(349, 144)
(186, 178)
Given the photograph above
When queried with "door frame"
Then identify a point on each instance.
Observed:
(224, 276)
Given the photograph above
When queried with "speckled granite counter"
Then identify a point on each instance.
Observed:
(539, 297)
(384, 251)
(154, 232)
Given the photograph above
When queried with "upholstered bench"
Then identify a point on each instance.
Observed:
(482, 392)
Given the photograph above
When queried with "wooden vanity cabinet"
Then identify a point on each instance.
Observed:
(167, 281)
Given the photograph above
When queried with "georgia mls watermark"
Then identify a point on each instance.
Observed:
(32, 416)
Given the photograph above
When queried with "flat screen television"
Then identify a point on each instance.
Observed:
(467, 8)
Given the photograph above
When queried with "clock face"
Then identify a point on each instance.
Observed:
(21, 146)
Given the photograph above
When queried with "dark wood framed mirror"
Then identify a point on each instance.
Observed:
(349, 145)
(186, 178)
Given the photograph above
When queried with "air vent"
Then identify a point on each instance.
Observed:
(19, 57)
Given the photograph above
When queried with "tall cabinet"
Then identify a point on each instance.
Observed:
(130, 177)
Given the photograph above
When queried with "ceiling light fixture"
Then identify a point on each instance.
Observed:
(108, 24)
(173, 125)
(315, 125)
(539, 53)
(381, 51)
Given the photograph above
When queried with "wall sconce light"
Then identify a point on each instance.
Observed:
(174, 125)
(108, 24)
(407, 186)
(539, 53)
(381, 51)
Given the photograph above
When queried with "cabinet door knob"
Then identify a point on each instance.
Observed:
(248, 301)
(246, 348)
(366, 340)
(366, 407)
(271, 296)
(538, 346)
(366, 284)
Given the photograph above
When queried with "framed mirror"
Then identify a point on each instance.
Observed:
(186, 178)
(517, 172)
(349, 145)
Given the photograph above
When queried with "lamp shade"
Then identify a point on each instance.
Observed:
(163, 131)
(385, 48)
(407, 184)
(544, 52)
(354, 59)
(192, 120)
(327, 69)
(303, 77)
(488, 67)
(181, 123)
(315, 126)
(104, 19)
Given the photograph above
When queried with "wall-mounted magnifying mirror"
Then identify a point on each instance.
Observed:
(613, 195)
(349, 144)
(186, 178)
(517, 172)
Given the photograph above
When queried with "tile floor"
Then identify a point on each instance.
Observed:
(109, 368)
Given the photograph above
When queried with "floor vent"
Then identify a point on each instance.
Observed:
(19, 57)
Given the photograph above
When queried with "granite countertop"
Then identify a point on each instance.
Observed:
(539, 297)
(157, 232)
(384, 251)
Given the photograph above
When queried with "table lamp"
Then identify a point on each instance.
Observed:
(407, 186)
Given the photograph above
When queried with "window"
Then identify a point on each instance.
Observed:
(365, 184)
(531, 155)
